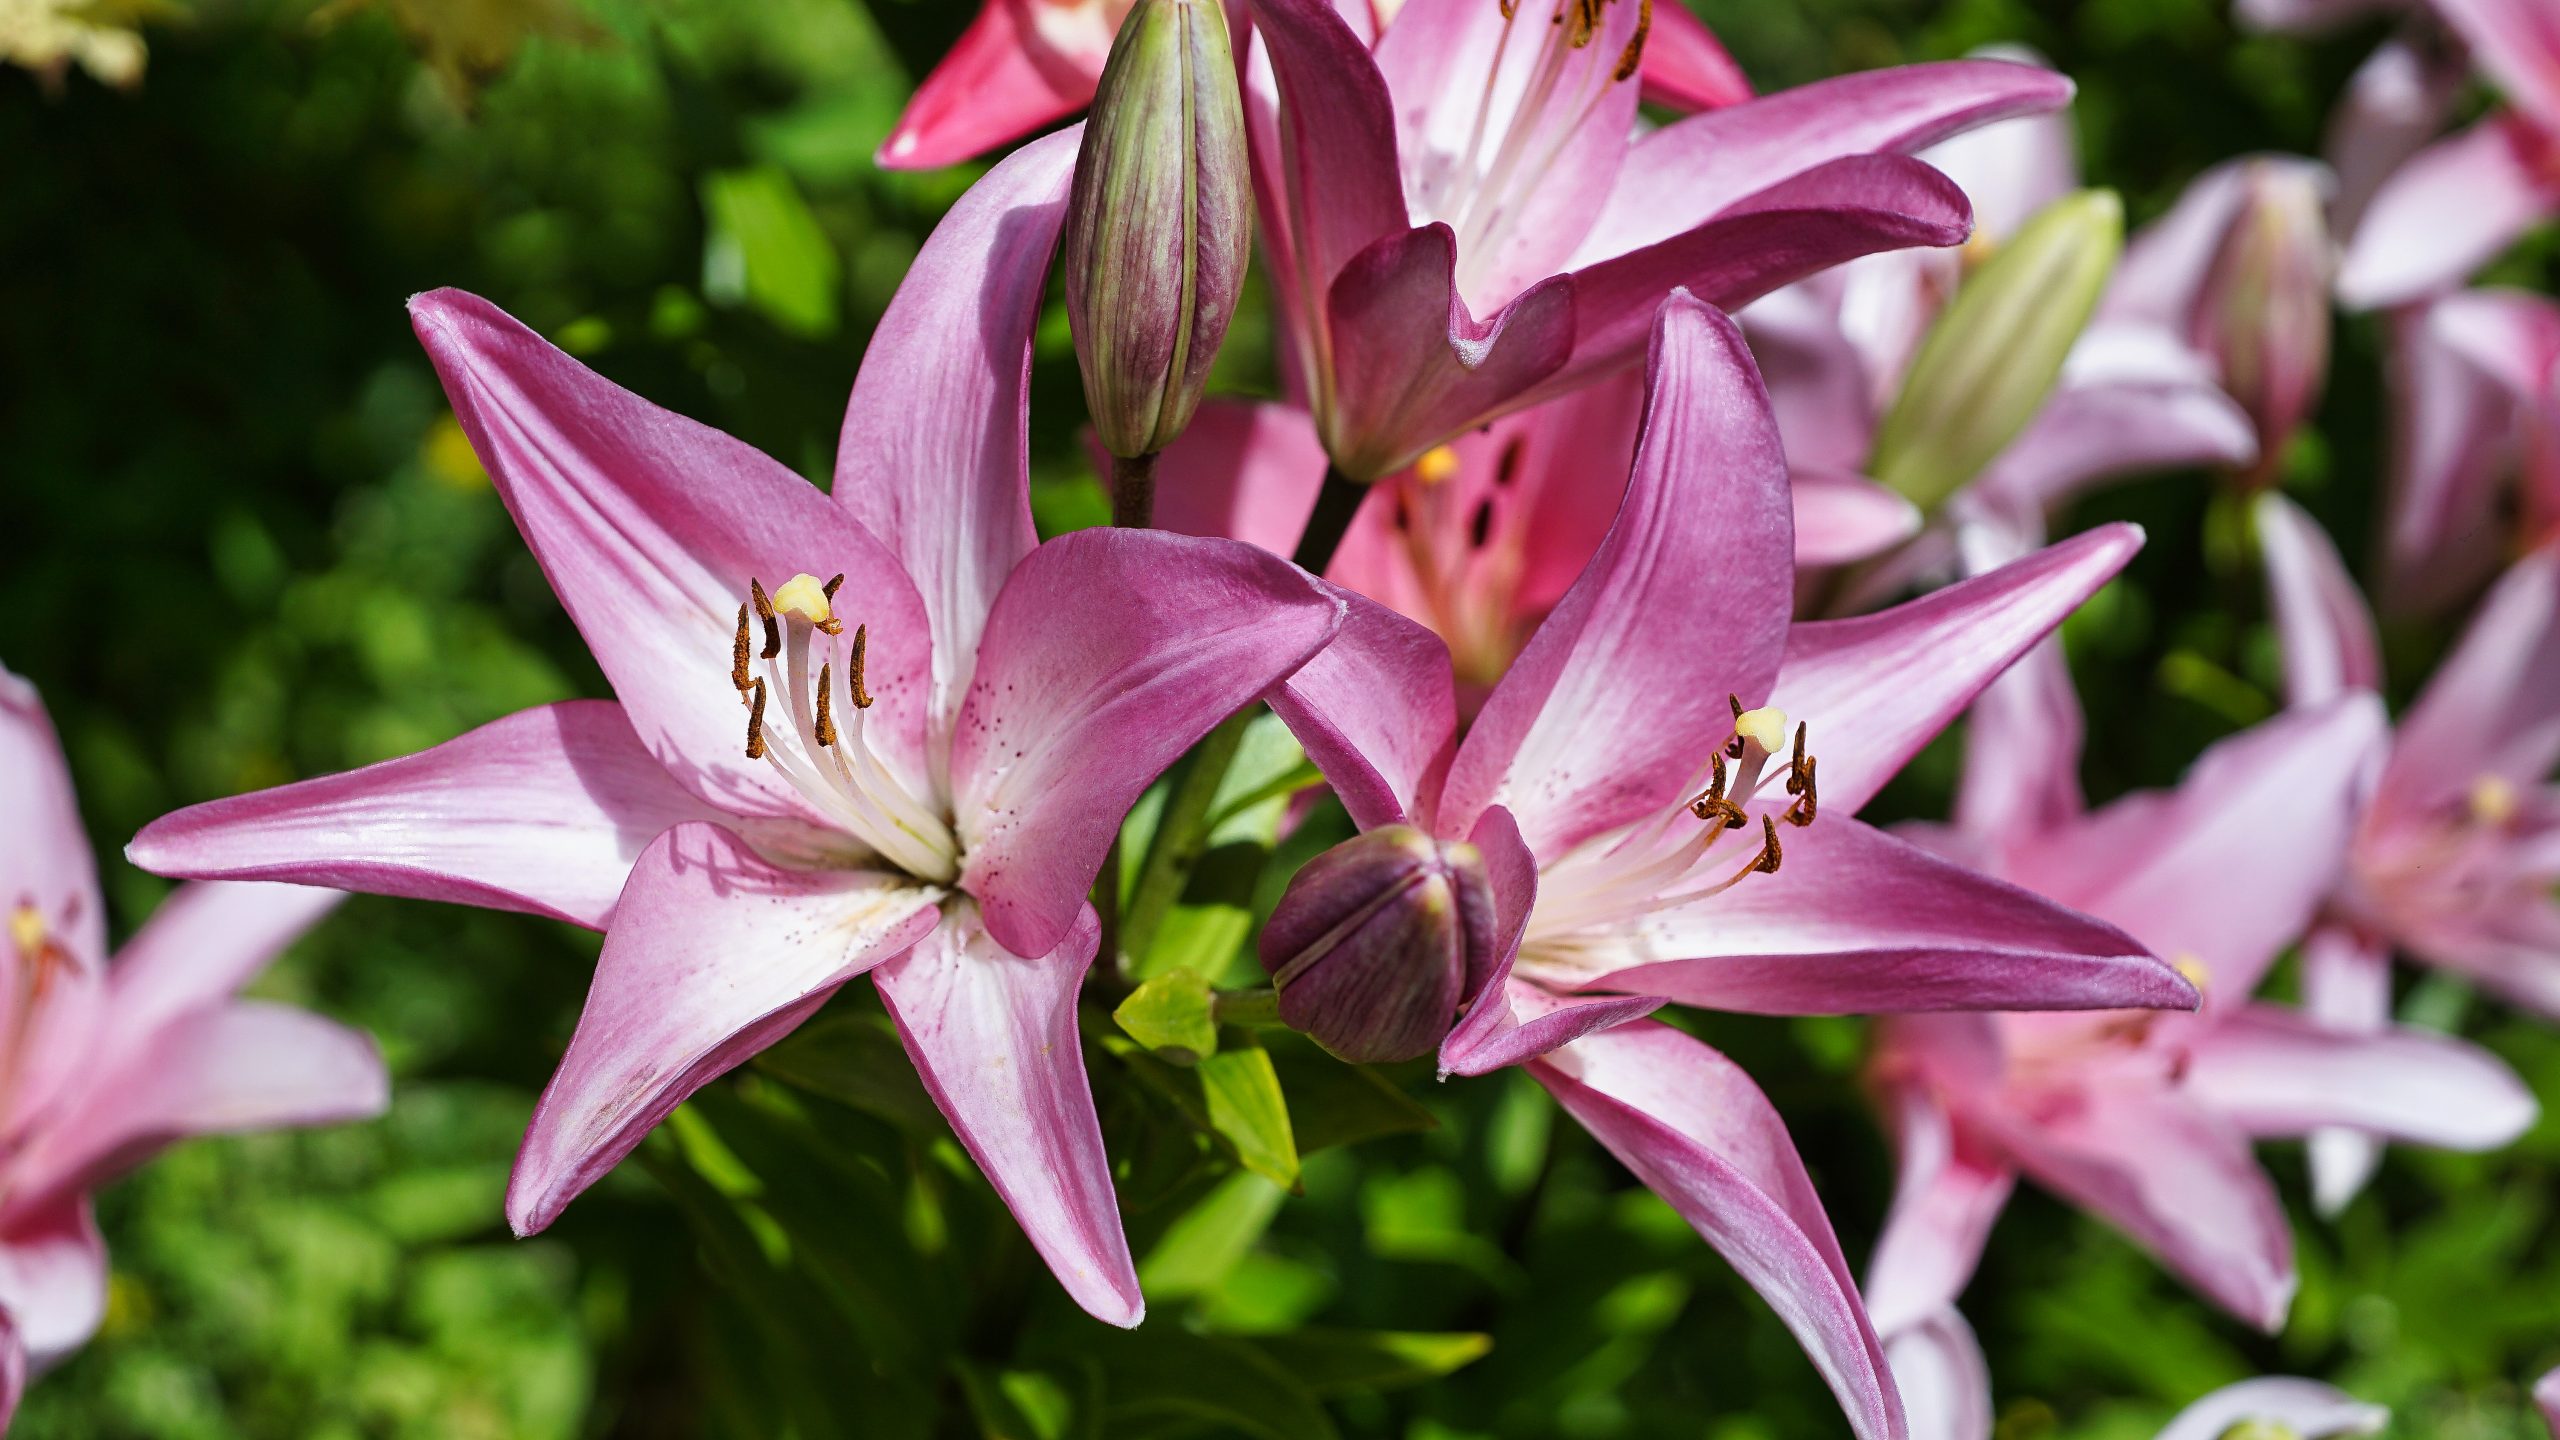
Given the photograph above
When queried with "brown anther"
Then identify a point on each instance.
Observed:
(1770, 855)
(1633, 58)
(826, 704)
(1713, 805)
(861, 651)
(755, 723)
(1733, 747)
(738, 653)
(1510, 8)
(832, 586)
(1584, 18)
(764, 612)
(1808, 800)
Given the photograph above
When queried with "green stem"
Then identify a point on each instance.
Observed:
(1182, 835)
(1246, 1007)
(1336, 503)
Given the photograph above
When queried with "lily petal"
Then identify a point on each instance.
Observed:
(226, 1070)
(1412, 366)
(2304, 1407)
(1859, 922)
(1108, 654)
(1686, 67)
(1945, 1199)
(1691, 170)
(2516, 43)
(197, 950)
(1808, 223)
(1241, 471)
(1001, 81)
(2023, 736)
(715, 953)
(2346, 987)
(1841, 517)
(1876, 688)
(2493, 707)
(2278, 1073)
(542, 812)
(933, 454)
(993, 1034)
(2322, 625)
(1623, 691)
(45, 860)
(1324, 163)
(2228, 869)
(2450, 210)
(649, 527)
(1377, 711)
(2452, 441)
(1945, 1384)
(53, 1277)
(2178, 1179)
(2397, 101)
(1698, 1133)
(2132, 401)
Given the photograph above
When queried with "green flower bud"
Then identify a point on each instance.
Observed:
(1159, 224)
(1995, 352)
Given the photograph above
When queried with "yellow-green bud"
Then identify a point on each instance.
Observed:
(1159, 224)
(1994, 354)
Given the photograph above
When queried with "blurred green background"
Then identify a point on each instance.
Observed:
(242, 541)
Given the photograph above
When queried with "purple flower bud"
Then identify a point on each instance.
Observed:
(2263, 312)
(1159, 223)
(1377, 942)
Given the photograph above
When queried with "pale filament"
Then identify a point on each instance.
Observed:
(1493, 199)
(841, 775)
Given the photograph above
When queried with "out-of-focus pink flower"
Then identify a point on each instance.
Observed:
(1459, 225)
(1481, 537)
(914, 776)
(2546, 1398)
(2135, 394)
(2476, 403)
(2458, 848)
(2280, 1405)
(2455, 205)
(2146, 1119)
(1654, 829)
(1026, 64)
(104, 1065)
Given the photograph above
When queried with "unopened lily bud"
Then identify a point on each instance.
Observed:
(2263, 313)
(1376, 941)
(1159, 223)
(1994, 354)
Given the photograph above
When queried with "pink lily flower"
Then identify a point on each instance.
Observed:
(2546, 1398)
(2459, 203)
(103, 1065)
(1580, 783)
(1460, 226)
(1024, 65)
(915, 776)
(1481, 538)
(2476, 401)
(2458, 848)
(2146, 1119)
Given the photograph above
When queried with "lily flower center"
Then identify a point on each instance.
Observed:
(1617, 879)
(1490, 183)
(37, 960)
(814, 733)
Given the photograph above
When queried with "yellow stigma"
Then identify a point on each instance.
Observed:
(1438, 465)
(2493, 800)
(806, 597)
(26, 929)
(2193, 971)
(1765, 727)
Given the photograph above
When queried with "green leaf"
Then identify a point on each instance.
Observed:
(1161, 1374)
(1170, 1014)
(1246, 1106)
(1198, 1250)
(765, 250)
(1332, 1361)
(1332, 1103)
(856, 1060)
(1017, 1404)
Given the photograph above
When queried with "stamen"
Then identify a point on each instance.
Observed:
(837, 583)
(755, 723)
(1770, 855)
(764, 612)
(1713, 805)
(1808, 800)
(826, 727)
(1629, 62)
(1438, 465)
(861, 652)
(738, 653)
(27, 930)
(1733, 747)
